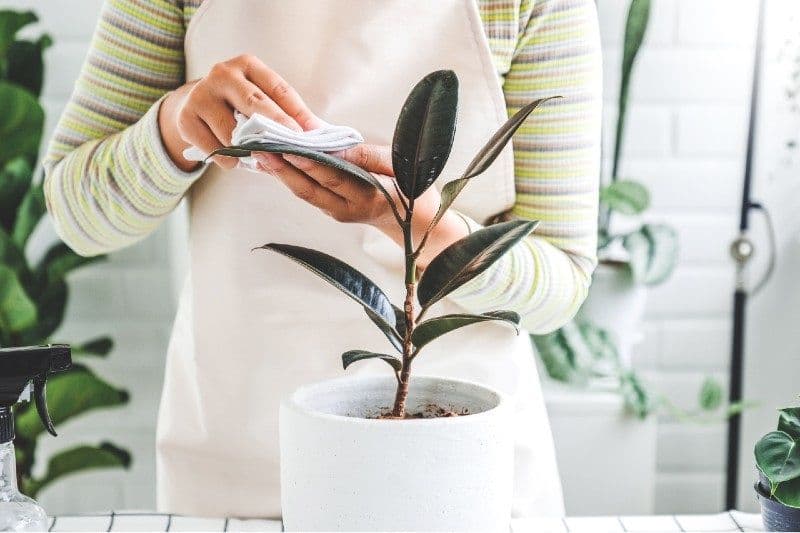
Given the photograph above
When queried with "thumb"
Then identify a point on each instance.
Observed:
(371, 157)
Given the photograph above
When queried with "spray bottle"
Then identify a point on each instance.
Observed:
(22, 371)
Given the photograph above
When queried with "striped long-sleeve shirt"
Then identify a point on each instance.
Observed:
(109, 181)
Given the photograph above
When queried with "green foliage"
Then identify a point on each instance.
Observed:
(777, 456)
(422, 142)
(625, 196)
(33, 298)
(653, 250)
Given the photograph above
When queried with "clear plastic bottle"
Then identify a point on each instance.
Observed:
(17, 511)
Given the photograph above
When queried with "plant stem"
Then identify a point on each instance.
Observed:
(401, 395)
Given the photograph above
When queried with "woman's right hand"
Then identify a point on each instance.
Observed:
(200, 113)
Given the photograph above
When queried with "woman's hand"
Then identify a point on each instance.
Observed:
(347, 199)
(200, 113)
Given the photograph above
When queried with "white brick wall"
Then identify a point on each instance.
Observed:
(685, 141)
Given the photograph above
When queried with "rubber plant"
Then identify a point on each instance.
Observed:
(33, 295)
(778, 459)
(421, 145)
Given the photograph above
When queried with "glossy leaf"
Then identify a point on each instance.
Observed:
(778, 456)
(342, 276)
(788, 493)
(30, 212)
(789, 421)
(710, 397)
(21, 122)
(468, 257)
(10, 23)
(99, 347)
(635, 28)
(423, 136)
(17, 311)
(78, 459)
(15, 179)
(71, 394)
(653, 253)
(59, 261)
(26, 65)
(391, 333)
(350, 357)
(338, 163)
(434, 328)
(626, 197)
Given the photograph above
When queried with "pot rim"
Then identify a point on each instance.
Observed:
(290, 401)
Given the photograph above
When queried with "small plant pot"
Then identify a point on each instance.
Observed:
(775, 515)
(342, 469)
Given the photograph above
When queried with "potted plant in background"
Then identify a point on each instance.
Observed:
(778, 459)
(422, 454)
(33, 293)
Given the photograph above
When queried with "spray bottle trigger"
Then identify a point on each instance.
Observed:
(40, 397)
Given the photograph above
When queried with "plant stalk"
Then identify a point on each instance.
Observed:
(399, 409)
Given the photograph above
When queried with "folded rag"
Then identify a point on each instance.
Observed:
(258, 128)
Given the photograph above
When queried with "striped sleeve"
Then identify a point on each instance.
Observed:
(557, 162)
(109, 181)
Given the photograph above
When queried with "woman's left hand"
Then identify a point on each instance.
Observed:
(347, 199)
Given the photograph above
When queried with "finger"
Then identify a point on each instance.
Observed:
(302, 185)
(245, 96)
(219, 118)
(334, 180)
(371, 157)
(197, 133)
(282, 93)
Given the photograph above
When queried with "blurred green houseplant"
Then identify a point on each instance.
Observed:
(33, 295)
(778, 459)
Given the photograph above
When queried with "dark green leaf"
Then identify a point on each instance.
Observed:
(391, 333)
(99, 347)
(635, 28)
(11, 255)
(710, 395)
(653, 253)
(21, 122)
(17, 311)
(10, 23)
(485, 157)
(788, 493)
(778, 456)
(69, 395)
(789, 422)
(59, 261)
(52, 304)
(625, 196)
(26, 64)
(79, 459)
(436, 327)
(349, 168)
(30, 212)
(342, 276)
(15, 179)
(423, 136)
(348, 358)
(468, 257)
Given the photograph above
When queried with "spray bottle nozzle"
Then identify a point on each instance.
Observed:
(20, 367)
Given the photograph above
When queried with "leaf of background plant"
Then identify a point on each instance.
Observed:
(789, 421)
(556, 355)
(59, 261)
(52, 304)
(71, 394)
(485, 158)
(778, 456)
(10, 23)
(78, 459)
(350, 357)
(710, 397)
(468, 257)
(637, 399)
(788, 493)
(21, 122)
(423, 136)
(626, 197)
(26, 65)
(391, 333)
(434, 328)
(653, 253)
(15, 178)
(11, 255)
(635, 28)
(17, 311)
(30, 212)
(99, 347)
(342, 276)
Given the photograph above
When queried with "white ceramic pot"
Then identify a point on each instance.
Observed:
(344, 470)
(616, 304)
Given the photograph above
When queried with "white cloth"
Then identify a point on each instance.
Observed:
(258, 128)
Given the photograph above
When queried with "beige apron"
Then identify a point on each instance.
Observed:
(251, 327)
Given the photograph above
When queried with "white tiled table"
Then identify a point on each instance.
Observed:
(141, 521)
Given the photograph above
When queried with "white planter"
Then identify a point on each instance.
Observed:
(344, 471)
(617, 305)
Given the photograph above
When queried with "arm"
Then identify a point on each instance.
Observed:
(557, 159)
(109, 181)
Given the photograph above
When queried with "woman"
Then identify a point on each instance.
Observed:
(252, 327)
